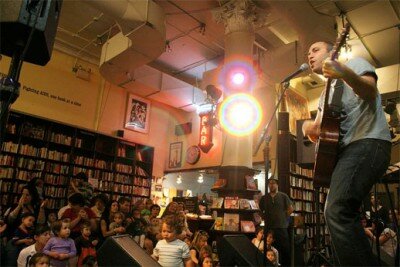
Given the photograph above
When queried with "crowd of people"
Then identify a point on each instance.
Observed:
(32, 235)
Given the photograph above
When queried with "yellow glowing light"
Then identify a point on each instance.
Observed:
(240, 114)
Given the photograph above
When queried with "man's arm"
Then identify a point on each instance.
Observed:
(311, 128)
(364, 86)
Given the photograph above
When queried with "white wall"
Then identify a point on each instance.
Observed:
(189, 181)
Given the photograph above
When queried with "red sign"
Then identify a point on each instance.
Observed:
(206, 129)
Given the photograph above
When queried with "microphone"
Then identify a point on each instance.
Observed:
(302, 68)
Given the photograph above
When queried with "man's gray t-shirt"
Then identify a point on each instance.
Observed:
(276, 210)
(359, 119)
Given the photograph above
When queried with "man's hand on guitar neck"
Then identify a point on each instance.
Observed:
(364, 86)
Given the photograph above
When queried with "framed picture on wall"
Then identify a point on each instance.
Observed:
(137, 114)
(175, 155)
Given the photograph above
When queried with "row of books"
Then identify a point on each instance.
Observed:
(234, 203)
(24, 175)
(6, 173)
(57, 155)
(6, 160)
(125, 151)
(141, 181)
(140, 171)
(230, 222)
(81, 160)
(61, 139)
(302, 206)
(301, 182)
(294, 168)
(10, 147)
(33, 151)
(55, 191)
(57, 168)
(32, 164)
(33, 131)
(295, 193)
(55, 179)
(123, 168)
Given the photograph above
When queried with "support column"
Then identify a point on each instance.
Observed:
(240, 17)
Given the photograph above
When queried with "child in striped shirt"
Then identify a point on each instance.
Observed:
(170, 251)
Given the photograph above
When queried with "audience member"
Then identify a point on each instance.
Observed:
(107, 218)
(171, 209)
(125, 208)
(387, 242)
(85, 244)
(78, 214)
(25, 205)
(117, 221)
(378, 212)
(170, 251)
(258, 241)
(39, 260)
(272, 257)
(41, 236)
(23, 237)
(277, 208)
(199, 241)
(99, 206)
(60, 248)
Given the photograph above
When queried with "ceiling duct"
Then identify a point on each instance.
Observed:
(309, 25)
(141, 40)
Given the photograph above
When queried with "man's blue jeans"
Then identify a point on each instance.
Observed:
(359, 167)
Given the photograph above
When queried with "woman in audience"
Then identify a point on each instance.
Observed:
(171, 209)
(199, 241)
(106, 220)
(25, 205)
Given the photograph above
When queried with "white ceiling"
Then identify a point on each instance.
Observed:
(196, 42)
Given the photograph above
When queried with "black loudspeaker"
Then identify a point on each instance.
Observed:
(18, 17)
(123, 251)
(237, 250)
(283, 121)
(305, 148)
(120, 133)
(183, 129)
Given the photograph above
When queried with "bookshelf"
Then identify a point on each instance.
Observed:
(234, 190)
(296, 181)
(36, 147)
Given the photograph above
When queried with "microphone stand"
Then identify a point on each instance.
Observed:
(265, 137)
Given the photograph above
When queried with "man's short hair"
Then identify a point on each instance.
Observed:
(122, 200)
(40, 229)
(77, 199)
(81, 176)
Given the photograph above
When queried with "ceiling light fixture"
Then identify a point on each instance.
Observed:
(179, 179)
(200, 179)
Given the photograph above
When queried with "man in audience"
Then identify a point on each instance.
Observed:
(78, 184)
(78, 214)
(125, 207)
(42, 235)
(277, 209)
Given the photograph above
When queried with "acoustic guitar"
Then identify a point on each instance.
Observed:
(327, 143)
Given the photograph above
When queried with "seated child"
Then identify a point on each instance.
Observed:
(117, 220)
(258, 240)
(60, 248)
(272, 257)
(39, 260)
(199, 241)
(85, 244)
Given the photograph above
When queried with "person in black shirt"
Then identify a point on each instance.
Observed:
(276, 210)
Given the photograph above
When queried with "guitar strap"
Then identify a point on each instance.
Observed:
(336, 101)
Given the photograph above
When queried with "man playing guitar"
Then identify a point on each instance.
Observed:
(363, 151)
